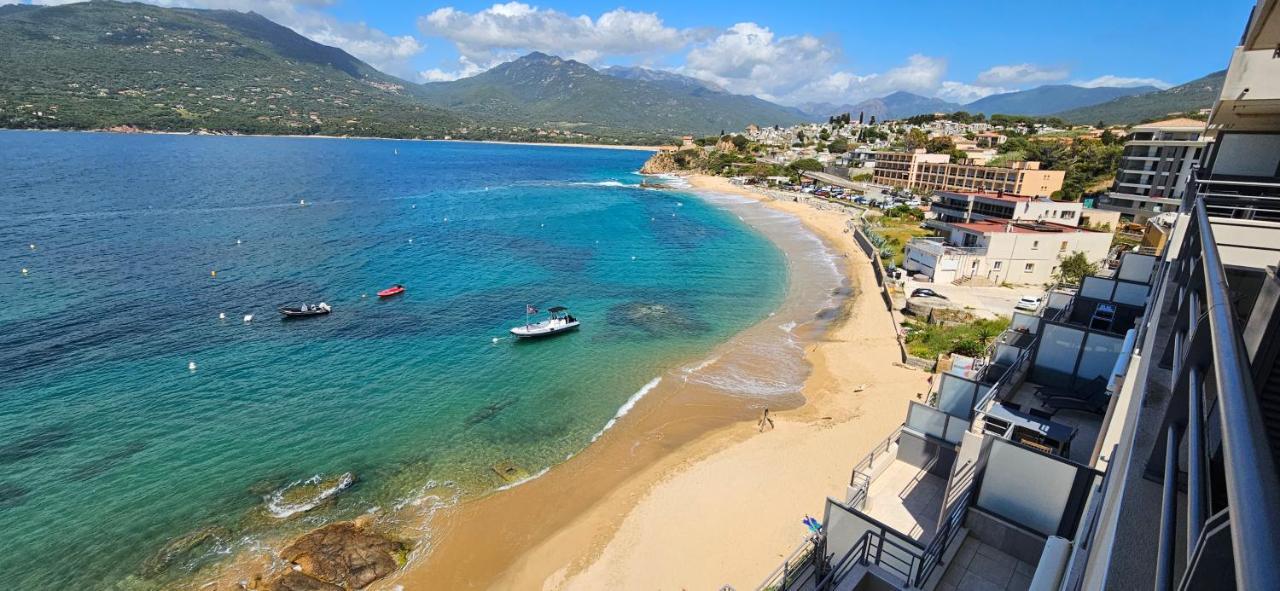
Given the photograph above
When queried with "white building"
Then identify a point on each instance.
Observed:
(1154, 169)
(994, 252)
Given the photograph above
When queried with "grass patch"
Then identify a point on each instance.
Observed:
(897, 232)
(927, 341)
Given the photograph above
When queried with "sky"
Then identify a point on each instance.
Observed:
(789, 52)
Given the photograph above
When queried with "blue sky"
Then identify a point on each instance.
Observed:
(791, 52)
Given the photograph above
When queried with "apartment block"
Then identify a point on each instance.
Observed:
(1154, 169)
(935, 172)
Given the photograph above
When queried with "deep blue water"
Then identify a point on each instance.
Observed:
(111, 448)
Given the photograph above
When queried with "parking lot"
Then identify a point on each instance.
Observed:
(985, 302)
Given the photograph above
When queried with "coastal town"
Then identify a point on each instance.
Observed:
(602, 301)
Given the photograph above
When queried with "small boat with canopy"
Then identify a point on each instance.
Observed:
(306, 310)
(558, 320)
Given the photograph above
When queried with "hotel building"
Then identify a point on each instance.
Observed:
(919, 171)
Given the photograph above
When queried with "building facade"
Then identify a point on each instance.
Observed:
(899, 169)
(995, 252)
(1154, 169)
(956, 206)
(919, 171)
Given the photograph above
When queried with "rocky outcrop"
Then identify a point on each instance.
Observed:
(660, 163)
(339, 556)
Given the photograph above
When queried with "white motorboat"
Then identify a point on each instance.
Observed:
(558, 320)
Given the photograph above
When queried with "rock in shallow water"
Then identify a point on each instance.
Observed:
(339, 556)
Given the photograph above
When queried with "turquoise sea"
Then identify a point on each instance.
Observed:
(120, 467)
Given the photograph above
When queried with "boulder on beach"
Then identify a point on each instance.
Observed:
(341, 555)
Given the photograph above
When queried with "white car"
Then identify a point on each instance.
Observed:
(1028, 303)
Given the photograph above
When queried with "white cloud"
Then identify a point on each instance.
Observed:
(390, 53)
(1121, 81)
(748, 58)
(502, 31)
(1016, 74)
(959, 92)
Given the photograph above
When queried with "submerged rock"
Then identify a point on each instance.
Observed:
(339, 556)
(184, 547)
(654, 318)
(301, 582)
(304, 495)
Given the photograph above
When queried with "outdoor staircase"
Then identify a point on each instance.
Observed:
(962, 281)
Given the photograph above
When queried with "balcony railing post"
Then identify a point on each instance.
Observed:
(1168, 515)
(1195, 458)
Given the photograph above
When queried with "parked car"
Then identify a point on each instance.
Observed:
(1029, 303)
(924, 292)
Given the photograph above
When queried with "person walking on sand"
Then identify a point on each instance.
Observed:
(765, 419)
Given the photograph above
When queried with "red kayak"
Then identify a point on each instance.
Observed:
(394, 290)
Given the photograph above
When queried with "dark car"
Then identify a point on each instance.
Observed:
(925, 292)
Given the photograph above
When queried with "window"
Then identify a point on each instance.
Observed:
(996, 265)
(1063, 248)
(1029, 268)
(1035, 245)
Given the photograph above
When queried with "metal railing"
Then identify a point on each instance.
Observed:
(1212, 377)
(880, 545)
(803, 563)
(1003, 388)
(943, 538)
(935, 247)
(1234, 197)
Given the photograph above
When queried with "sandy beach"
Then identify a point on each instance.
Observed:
(686, 492)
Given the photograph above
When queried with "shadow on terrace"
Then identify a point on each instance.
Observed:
(975, 486)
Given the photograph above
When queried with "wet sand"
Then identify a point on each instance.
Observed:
(685, 491)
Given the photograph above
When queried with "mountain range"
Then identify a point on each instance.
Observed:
(545, 90)
(107, 64)
(1196, 94)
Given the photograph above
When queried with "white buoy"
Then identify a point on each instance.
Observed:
(495, 340)
(679, 204)
(237, 241)
(653, 219)
(410, 241)
(364, 295)
(414, 206)
(222, 315)
(302, 202)
(673, 215)
(24, 271)
(191, 365)
(446, 219)
(33, 247)
(248, 318)
(633, 257)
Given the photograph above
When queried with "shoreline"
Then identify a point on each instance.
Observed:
(692, 470)
(629, 147)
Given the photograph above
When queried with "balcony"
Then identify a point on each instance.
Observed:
(1235, 196)
(938, 247)
(1250, 98)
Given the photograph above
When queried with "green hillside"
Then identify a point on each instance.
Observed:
(543, 90)
(1197, 94)
(1051, 98)
(105, 64)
